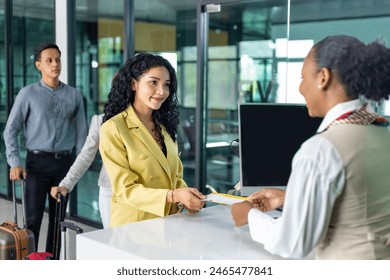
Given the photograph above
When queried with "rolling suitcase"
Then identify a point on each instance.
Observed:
(59, 240)
(64, 247)
(16, 243)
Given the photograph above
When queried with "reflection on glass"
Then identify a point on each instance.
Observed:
(3, 113)
(241, 68)
(30, 27)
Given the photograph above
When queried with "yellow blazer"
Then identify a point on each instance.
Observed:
(139, 172)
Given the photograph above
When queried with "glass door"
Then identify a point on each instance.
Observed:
(238, 44)
(3, 104)
(26, 26)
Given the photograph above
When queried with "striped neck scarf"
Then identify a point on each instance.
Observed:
(364, 115)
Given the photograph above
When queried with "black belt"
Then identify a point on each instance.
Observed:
(56, 155)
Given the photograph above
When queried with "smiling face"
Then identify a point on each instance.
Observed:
(311, 87)
(49, 64)
(151, 90)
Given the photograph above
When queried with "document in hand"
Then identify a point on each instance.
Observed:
(223, 198)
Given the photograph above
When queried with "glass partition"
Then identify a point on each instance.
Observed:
(314, 20)
(242, 66)
(255, 51)
(3, 105)
(99, 54)
(32, 23)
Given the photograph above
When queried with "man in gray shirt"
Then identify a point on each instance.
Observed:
(53, 118)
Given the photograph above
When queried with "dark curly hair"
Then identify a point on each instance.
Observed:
(121, 94)
(364, 70)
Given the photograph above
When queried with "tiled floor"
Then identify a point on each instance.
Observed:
(7, 213)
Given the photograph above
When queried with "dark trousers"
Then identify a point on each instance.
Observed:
(44, 172)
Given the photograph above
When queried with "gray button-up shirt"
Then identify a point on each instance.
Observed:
(53, 120)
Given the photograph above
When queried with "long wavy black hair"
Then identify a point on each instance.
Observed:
(121, 94)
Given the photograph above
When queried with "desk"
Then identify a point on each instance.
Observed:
(209, 234)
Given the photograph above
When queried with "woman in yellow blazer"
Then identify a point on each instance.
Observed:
(138, 143)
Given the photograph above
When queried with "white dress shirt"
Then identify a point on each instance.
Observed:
(316, 180)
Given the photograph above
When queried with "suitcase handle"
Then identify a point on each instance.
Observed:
(11, 224)
(59, 212)
(72, 226)
(64, 226)
(23, 197)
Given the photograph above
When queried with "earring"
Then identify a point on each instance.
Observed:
(319, 86)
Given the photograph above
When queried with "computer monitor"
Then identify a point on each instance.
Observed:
(269, 136)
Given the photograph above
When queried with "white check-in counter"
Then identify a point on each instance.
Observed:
(207, 235)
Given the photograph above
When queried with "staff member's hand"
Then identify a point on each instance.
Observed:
(240, 212)
(267, 199)
(17, 173)
(55, 190)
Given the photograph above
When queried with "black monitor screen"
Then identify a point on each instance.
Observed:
(270, 135)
